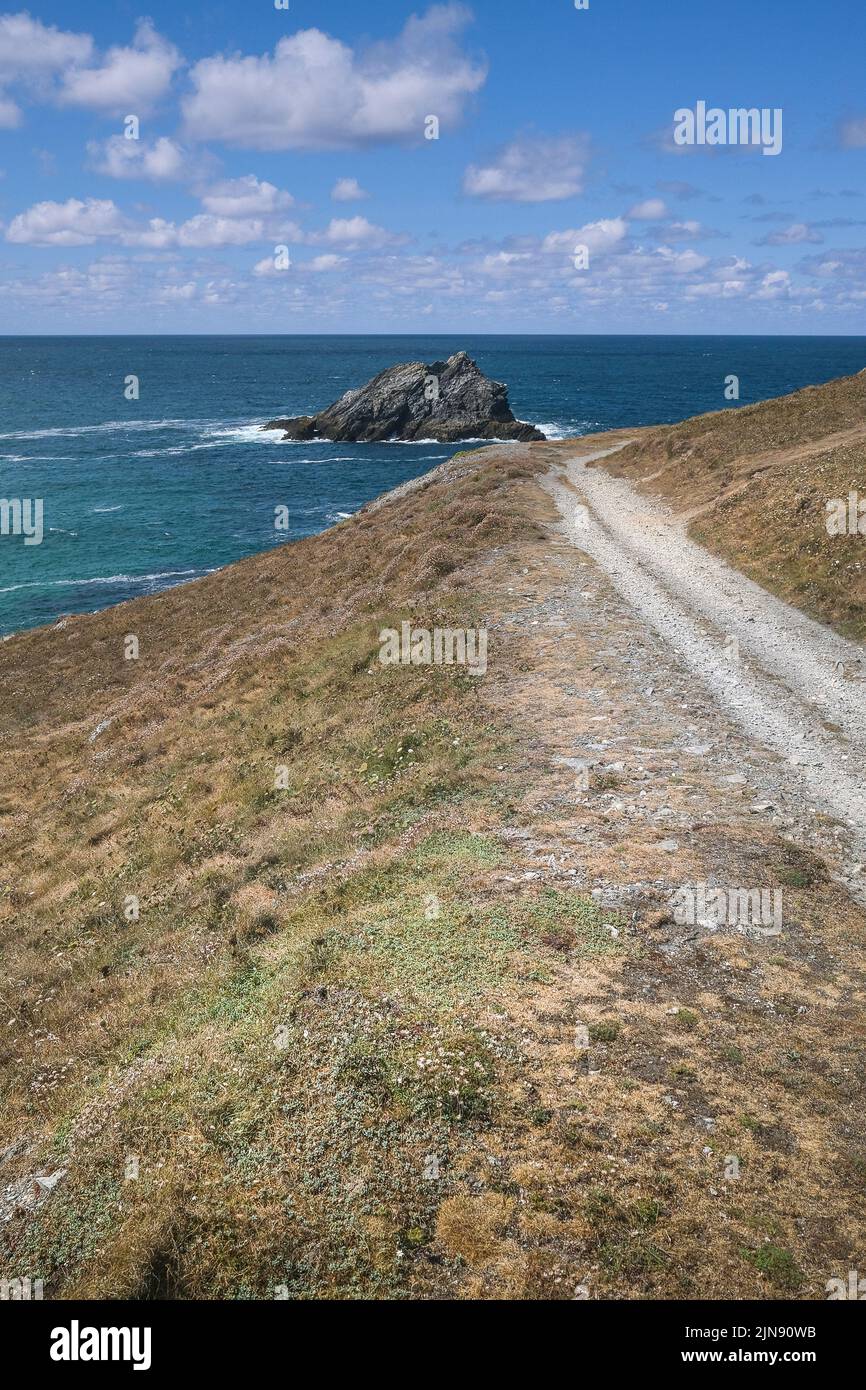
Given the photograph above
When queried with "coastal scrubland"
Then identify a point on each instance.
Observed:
(321, 979)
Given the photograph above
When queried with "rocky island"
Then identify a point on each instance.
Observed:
(446, 401)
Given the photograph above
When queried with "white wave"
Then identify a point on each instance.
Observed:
(317, 440)
(174, 450)
(104, 579)
(245, 434)
(73, 431)
(320, 462)
(555, 430)
(213, 439)
(102, 511)
(36, 458)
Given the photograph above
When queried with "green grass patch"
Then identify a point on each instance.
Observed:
(776, 1264)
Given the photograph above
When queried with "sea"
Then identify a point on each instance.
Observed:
(153, 482)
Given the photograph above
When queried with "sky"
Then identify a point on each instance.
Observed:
(492, 167)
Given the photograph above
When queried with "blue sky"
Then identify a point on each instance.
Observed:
(261, 128)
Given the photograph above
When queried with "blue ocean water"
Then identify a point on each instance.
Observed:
(141, 495)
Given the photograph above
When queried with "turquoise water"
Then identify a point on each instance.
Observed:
(140, 495)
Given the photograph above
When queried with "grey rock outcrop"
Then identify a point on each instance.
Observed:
(445, 401)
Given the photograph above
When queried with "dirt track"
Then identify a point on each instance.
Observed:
(793, 686)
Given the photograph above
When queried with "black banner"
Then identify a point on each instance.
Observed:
(147, 1339)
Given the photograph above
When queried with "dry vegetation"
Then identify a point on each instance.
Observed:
(755, 481)
(335, 1054)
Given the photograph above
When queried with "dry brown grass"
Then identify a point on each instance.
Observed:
(147, 1032)
(332, 985)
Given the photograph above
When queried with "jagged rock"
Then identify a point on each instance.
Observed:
(446, 401)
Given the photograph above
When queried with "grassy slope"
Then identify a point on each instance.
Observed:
(757, 480)
(255, 1040)
(324, 1000)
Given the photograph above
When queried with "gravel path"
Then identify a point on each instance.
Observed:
(793, 686)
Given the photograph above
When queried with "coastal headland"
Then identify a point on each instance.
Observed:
(342, 976)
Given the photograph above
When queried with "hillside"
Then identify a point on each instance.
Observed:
(755, 482)
(400, 1009)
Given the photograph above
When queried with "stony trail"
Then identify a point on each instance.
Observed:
(791, 685)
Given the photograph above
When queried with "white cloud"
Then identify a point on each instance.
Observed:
(31, 54)
(652, 210)
(127, 80)
(174, 294)
(684, 229)
(30, 49)
(315, 92)
(499, 262)
(682, 262)
(161, 160)
(795, 235)
(77, 223)
(716, 289)
(245, 197)
(201, 231)
(775, 285)
(321, 264)
(267, 266)
(73, 223)
(354, 233)
(207, 230)
(348, 191)
(532, 169)
(598, 237)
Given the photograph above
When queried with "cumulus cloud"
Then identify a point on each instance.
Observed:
(174, 294)
(323, 264)
(207, 230)
(776, 284)
(795, 235)
(682, 262)
(31, 54)
(315, 92)
(77, 223)
(531, 169)
(127, 79)
(266, 266)
(161, 160)
(500, 262)
(29, 48)
(73, 223)
(235, 212)
(598, 237)
(652, 210)
(353, 233)
(48, 64)
(845, 267)
(348, 191)
(245, 197)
